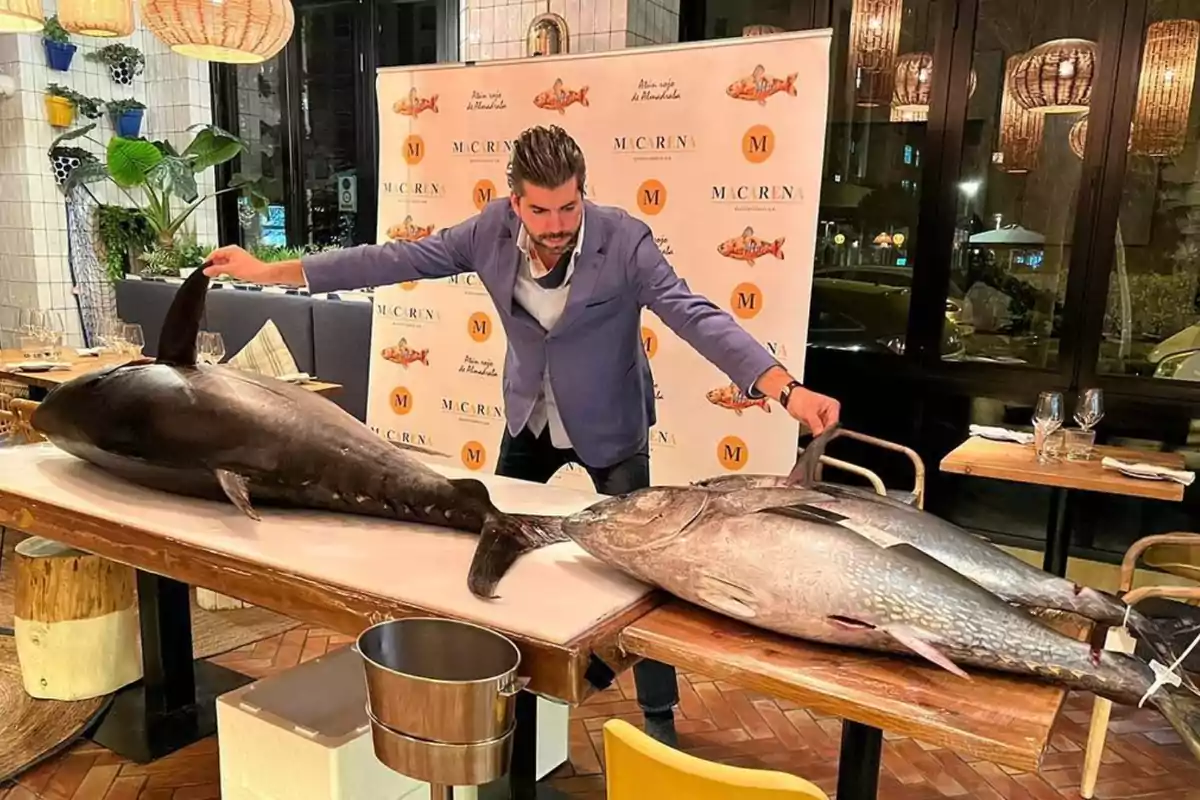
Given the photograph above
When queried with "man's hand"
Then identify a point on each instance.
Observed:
(234, 261)
(816, 411)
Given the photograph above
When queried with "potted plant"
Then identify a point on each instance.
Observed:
(60, 105)
(126, 117)
(124, 62)
(166, 177)
(59, 50)
(64, 160)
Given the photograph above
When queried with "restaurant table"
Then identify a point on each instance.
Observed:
(340, 571)
(40, 383)
(1005, 719)
(1010, 461)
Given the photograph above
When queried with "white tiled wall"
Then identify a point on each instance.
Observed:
(497, 28)
(35, 268)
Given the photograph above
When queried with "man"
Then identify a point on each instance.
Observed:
(569, 280)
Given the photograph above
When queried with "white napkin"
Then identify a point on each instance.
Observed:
(1142, 470)
(295, 377)
(1003, 434)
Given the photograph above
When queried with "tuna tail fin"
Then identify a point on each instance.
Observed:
(504, 539)
(1160, 636)
(1181, 708)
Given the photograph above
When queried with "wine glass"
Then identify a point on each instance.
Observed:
(134, 339)
(1047, 418)
(1090, 408)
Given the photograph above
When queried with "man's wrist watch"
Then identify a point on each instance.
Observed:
(786, 394)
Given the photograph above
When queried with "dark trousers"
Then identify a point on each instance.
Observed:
(535, 458)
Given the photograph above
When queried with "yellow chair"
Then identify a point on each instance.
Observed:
(640, 768)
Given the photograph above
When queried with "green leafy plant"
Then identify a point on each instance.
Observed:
(119, 107)
(166, 177)
(121, 235)
(54, 31)
(116, 54)
(87, 106)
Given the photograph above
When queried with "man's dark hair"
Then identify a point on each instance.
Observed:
(546, 157)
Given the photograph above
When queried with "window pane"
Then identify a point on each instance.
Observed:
(725, 18)
(407, 33)
(870, 192)
(260, 112)
(329, 60)
(1034, 64)
(1152, 317)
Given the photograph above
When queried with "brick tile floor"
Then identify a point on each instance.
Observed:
(1143, 759)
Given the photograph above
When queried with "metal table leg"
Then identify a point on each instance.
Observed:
(1058, 533)
(858, 764)
(173, 705)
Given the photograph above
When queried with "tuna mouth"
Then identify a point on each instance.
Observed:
(626, 525)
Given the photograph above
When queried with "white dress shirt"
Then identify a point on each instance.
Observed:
(546, 306)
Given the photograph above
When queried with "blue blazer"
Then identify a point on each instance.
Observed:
(598, 368)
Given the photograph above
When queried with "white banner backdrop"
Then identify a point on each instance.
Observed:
(717, 146)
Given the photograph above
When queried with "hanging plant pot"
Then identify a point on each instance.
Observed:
(65, 160)
(128, 124)
(60, 111)
(123, 71)
(59, 54)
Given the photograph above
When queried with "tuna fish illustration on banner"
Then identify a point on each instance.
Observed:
(406, 231)
(758, 86)
(749, 247)
(413, 104)
(558, 98)
(402, 354)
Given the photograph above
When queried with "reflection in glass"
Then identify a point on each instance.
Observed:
(329, 137)
(1152, 316)
(870, 193)
(260, 111)
(1036, 64)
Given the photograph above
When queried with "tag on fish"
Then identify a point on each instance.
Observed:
(1118, 640)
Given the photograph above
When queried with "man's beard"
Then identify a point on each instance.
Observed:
(557, 245)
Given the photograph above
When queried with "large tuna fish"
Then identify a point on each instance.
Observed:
(791, 570)
(217, 432)
(994, 569)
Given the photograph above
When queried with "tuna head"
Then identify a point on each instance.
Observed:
(642, 520)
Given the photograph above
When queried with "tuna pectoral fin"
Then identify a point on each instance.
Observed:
(503, 540)
(729, 598)
(909, 637)
(1181, 708)
(235, 489)
(1166, 638)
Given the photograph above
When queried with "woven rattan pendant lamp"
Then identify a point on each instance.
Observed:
(1164, 98)
(21, 16)
(1021, 130)
(874, 38)
(230, 31)
(914, 78)
(102, 18)
(1055, 77)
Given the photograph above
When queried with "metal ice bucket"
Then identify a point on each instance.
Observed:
(440, 763)
(441, 680)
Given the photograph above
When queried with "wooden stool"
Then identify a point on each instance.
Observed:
(75, 622)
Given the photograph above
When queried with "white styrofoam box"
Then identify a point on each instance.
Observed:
(303, 734)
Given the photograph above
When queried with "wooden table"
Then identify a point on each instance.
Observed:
(343, 572)
(1010, 461)
(42, 382)
(996, 717)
